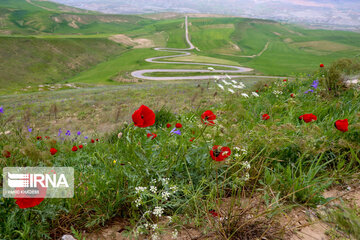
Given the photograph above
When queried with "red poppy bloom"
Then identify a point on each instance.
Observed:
(308, 117)
(292, 95)
(143, 117)
(285, 80)
(92, 140)
(342, 125)
(192, 139)
(322, 65)
(178, 125)
(81, 146)
(6, 154)
(219, 153)
(168, 125)
(28, 202)
(38, 138)
(265, 116)
(47, 137)
(257, 91)
(97, 139)
(74, 148)
(23, 200)
(53, 151)
(213, 213)
(152, 135)
(208, 118)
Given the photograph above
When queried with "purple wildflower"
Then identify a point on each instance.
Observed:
(176, 131)
(59, 132)
(86, 137)
(68, 133)
(315, 84)
(310, 90)
(29, 129)
(78, 133)
(1, 109)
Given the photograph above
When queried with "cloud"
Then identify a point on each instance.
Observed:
(305, 3)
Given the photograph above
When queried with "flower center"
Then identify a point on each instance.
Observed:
(217, 152)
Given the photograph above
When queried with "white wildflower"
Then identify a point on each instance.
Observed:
(255, 94)
(221, 86)
(153, 189)
(166, 180)
(165, 195)
(158, 211)
(225, 82)
(175, 234)
(140, 189)
(245, 95)
(170, 219)
(211, 68)
(120, 134)
(230, 90)
(173, 188)
(138, 202)
(246, 165)
(154, 226)
(155, 236)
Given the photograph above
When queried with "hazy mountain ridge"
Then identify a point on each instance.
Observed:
(333, 13)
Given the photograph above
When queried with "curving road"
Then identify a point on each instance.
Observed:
(184, 52)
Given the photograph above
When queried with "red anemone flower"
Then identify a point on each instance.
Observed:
(213, 213)
(292, 95)
(29, 200)
(219, 153)
(265, 116)
(342, 125)
(6, 154)
(151, 135)
(178, 125)
(74, 148)
(81, 146)
(322, 65)
(168, 125)
(53, 151)
(192, 139)
(208, 118)
(38, 138)
(308, 117)
(92, 140)
(97, 139)
(143, 117)
(285, 80)
(257, 91)
(47, 137)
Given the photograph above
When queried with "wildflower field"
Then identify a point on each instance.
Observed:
(217, 159)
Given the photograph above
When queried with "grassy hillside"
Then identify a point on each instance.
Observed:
(270, 47)
(37, 61)
(41, 17)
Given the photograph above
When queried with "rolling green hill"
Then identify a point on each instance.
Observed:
(29, 61)
(53, 37)
(42, 17)
(270, 47)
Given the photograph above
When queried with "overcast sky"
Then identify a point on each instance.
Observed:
(325, 12)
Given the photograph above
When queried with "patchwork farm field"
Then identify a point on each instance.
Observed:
(249, 128)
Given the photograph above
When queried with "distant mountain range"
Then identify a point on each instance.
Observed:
(343, 14)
